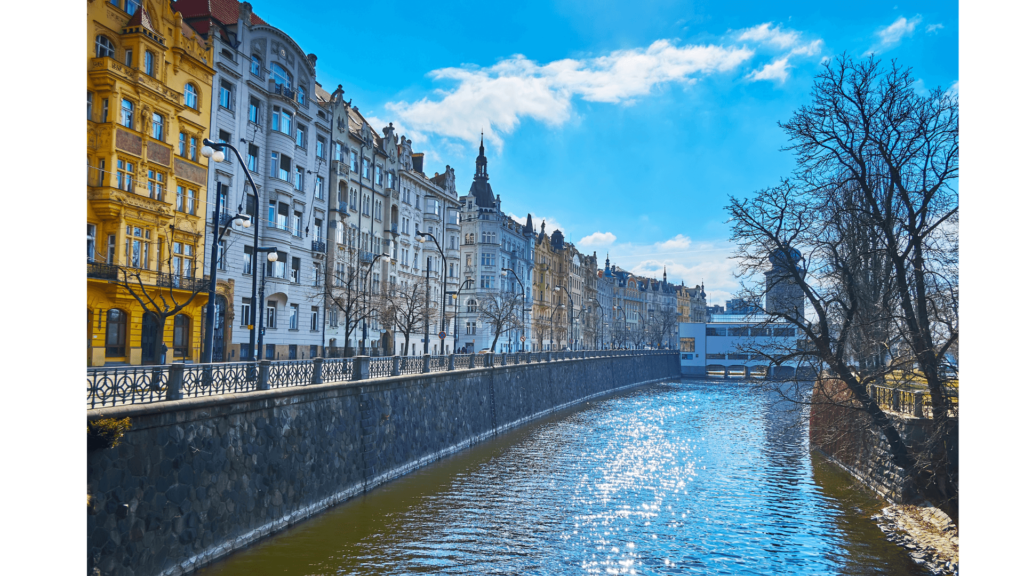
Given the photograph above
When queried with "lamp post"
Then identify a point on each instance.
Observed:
(365, 282)
(422, 238)
(598, 304)
(571, 307)
(504, 272)
(455, 295)
(206, 355)
(551, 325)
(616, 308)
(271, 258)
(214, 151)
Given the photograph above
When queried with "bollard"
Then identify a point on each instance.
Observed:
(361, 368)
(426, 363)
(472, 360)
(318, 370)
(174, 379)
(396, 366)
(451, 362)
(263, 381)
(919, 404)
(548, 358)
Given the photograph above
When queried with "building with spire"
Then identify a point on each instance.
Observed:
(565, 286)
(493, 243)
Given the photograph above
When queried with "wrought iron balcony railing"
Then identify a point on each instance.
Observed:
(102, 271)
(319, 246)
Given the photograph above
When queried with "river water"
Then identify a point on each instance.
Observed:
(677, 478)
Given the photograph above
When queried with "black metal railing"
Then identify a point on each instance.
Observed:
(319, 246)
(166, 280)
(118, 385)
(102, 271)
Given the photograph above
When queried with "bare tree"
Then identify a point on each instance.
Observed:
(405, 309)
(664, 326)
(873, 208)
(344, 289)
(502, 310)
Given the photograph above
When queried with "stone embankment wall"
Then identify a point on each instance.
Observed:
(195, 479)
(846, 437)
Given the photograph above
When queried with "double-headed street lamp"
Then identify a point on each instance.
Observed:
(551, 325)
(422, 238)
(504, 272)
(215, 152)
(207, 353)
(571, 307)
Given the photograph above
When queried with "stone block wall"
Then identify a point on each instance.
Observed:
(195, 479)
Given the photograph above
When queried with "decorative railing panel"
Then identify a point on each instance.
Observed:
(126, 385)
(339, 370)
(290, 373)
(462, 361)
(411, 365)
(209, 379)
(381, 367)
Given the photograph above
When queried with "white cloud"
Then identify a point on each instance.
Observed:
(678, 242)
(934, 28)
(765, 34)
(776, 70)
(597, 239)
(495, 99)
(809, 49)
(893, 33)
(954, 89)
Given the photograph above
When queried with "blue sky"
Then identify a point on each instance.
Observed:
(626, 124)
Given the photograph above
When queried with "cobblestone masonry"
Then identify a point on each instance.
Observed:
(195, 479)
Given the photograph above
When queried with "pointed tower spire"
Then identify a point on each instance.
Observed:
(529, 224)
(664, 274)
(481, 161)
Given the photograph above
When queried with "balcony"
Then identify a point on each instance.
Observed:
(430, 216)
(340, 167)
(281, 90)
(394, 229)
(181, 282)
(366, 256)
(392, 192)
(102, 271)
(319, 246)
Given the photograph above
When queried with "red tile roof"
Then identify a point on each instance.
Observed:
(202, 13)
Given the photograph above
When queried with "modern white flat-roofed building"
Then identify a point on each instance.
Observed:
(720, 347)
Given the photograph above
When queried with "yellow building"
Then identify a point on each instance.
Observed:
(149, 92)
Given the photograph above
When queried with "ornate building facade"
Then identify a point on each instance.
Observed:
(149, 83)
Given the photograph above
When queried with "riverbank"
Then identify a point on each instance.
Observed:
(927, 532)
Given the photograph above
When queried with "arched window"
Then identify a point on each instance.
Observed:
(117, 331)
(104, 47)
(182, 335)
(300, 95)
(280, 75)
(471, 306)
(191, 97)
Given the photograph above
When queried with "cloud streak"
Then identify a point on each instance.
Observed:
(892, 34)
(499, 97)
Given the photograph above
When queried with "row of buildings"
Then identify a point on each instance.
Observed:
(359, 249)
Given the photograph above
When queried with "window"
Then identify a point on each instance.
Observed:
(111, 248)
(314, 317)
(486, 281)
(182, 335)
(247, 260)
(186, 200)
(147, 63)
(156, 185)
(271, 314)
(300, 135)
(125, 171)
(227, 98)
(317, 273)
(299, 173)
(366, 168)
(352, 159)
(221, 250)
(127, 113)
(192, 148)
(320, 144)
(687, 345)
(280, 75)
(255, 67)
(104, 49)
(293, 317)
(128, 57)
(378, 175)
(158, 127)
(318, 188)
(487, 259)
(182, 259)
(254, 111)
(191, 96)
(90, 241)
(136, 247)
(104, 112)
(88, 107)
(253, 162)
(470, 328)
(182, 144)
(280, 166)
(117, 330)
(246, 310)
(275, 119)
(130, 6)
(297, 222)
(300, 95)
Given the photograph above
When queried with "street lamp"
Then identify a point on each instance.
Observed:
(603, 324)
(571, 307)
(214, 151)
(455, 296)
(422, 238)
(366, 281)
(207, 353)
(551, 325)
(271, 258)
(504, 272)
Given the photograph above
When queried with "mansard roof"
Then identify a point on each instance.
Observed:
(202, 14)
